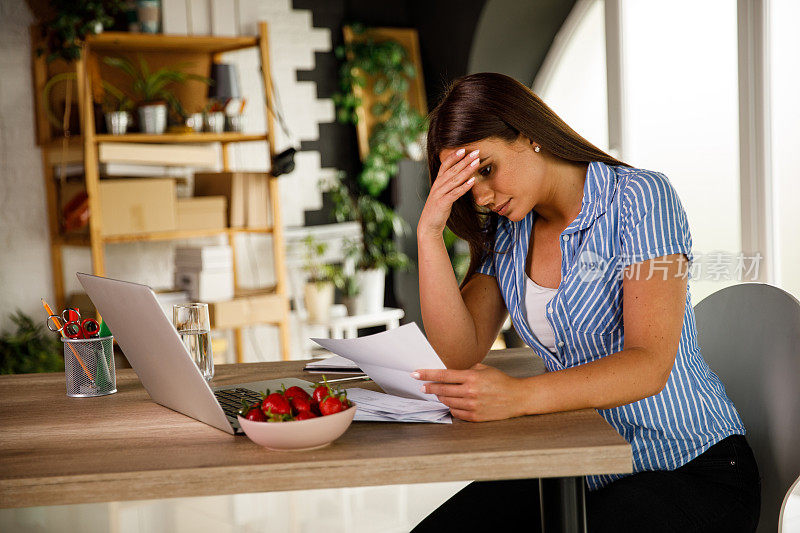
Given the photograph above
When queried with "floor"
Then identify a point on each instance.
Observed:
(386, 509)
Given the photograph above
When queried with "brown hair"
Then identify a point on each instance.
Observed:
(489, 104)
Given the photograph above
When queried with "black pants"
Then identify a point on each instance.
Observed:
(719, 490)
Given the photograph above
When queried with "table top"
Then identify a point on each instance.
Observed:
(59, 450)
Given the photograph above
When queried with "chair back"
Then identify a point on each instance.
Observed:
(749, 334)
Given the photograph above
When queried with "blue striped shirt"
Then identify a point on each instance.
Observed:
(627, 216)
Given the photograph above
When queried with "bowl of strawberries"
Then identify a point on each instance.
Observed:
(294, 420)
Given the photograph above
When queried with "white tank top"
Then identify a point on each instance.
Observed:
(536, 299)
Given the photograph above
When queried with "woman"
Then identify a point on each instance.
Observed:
(590, 257)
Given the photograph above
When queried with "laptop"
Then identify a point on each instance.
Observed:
(164, 366)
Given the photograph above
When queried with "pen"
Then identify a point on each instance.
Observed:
(357, 378)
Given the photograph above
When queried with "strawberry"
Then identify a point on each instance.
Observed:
(300, 404)
(305, 415)
(331, 405)
(256, 415)
(322, 390)
(296, 391)
(276, 404)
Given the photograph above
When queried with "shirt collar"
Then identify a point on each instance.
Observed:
(597, 195)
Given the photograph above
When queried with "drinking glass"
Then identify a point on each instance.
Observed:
(193, 325)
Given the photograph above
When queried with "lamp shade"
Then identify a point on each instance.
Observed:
(225, 82)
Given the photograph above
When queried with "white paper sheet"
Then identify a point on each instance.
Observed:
(389, 358)
(379, 407)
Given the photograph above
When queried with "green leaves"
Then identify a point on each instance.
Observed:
(31, 348)
(71, 22)
(397, 127)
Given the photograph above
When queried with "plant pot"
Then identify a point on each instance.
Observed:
(195, 121)
(372, 284)
(214, 122)
(351, 304)
(319, 300)
(153, 118)
(117, 122)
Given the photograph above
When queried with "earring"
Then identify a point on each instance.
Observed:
(536, 149)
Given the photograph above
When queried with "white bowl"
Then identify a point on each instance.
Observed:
(299, 435)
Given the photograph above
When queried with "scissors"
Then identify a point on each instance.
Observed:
(74, 327)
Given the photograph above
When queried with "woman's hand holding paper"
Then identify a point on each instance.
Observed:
(478, 394)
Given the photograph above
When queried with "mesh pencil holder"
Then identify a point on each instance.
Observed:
(89, 367)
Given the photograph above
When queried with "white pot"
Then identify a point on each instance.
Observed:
(371, 284)
(319, 300)
(153, 118)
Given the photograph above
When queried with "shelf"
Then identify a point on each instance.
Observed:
(225, 137)
(180, 234)
(113, 41)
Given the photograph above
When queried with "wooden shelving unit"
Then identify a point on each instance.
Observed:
(201, 50)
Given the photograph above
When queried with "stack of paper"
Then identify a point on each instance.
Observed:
(378, 407)
(333, 365)
(389, 358)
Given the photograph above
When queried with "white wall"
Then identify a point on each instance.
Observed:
(24, 246)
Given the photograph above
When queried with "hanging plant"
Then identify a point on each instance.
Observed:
(395, 135)
(398, 126)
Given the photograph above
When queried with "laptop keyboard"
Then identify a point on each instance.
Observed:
(231, 399)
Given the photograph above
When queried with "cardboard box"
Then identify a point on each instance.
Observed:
(248, 311)
(247, 194)
(201, 213)
(137, 205)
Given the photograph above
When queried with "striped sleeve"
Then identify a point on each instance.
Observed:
(654, 222)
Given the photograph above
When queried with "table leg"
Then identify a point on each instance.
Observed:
(563, 504)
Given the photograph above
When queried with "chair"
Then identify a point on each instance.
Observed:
(749, 334)
(783, 526)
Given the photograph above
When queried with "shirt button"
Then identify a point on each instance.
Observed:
(550, 310)
(561, 344)
(565, 237)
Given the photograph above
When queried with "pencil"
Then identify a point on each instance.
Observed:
(57, 322)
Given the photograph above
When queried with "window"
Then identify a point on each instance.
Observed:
(680, 117)
(785, 86)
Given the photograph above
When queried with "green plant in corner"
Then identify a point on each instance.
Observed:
(398, 127)
(379, 225)
(31, 348)
(395, 135)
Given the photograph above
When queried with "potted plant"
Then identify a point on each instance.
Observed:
(347, 283)
(117, 108)
(377, 252)
(150, 91)
(319, 289)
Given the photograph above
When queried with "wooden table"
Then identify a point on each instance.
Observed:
(58, 450)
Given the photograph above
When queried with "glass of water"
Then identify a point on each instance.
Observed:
(193, 325)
